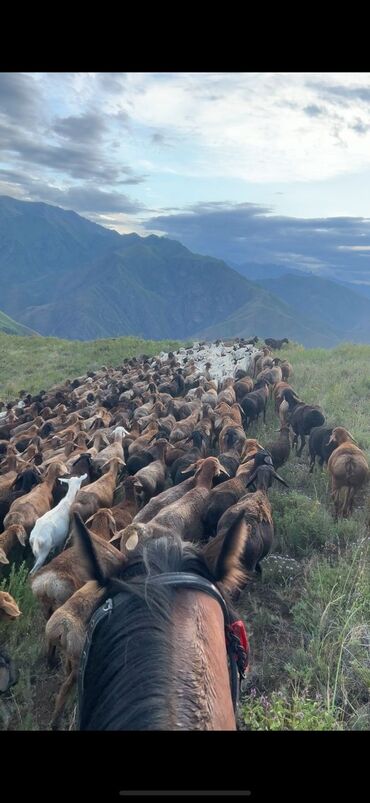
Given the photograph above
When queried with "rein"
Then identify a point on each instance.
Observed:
(236, 638)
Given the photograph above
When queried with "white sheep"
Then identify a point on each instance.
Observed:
(51, 529)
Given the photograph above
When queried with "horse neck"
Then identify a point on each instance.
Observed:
(182, 640)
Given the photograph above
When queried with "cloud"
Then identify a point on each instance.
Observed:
(243, 233)
(88, 127)
(313, 111)
(83, 198)
(20, 98)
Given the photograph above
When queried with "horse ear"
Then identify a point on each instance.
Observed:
(101, 560)
(223, 555)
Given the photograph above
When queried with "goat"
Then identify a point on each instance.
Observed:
(66, 630)
(26, 510)
(255, 403)
(184, 516)
(54, 583)
(319, 446)
(303, 418)
(280, 449)
(228, 493)
(276, 345)
(253, 513)
(99, 493)
(348, 469)
(12, 536)
(51, 530)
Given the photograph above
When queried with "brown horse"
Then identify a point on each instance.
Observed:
(157, 651)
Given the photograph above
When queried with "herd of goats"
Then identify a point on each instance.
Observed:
(153, 446)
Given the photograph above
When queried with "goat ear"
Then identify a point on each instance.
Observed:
(101, 560)
(8, 605)
(223, 555)
(22, 536)
(62, 479)
(83, 477)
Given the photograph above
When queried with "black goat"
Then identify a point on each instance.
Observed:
(319, 445)
(255, 402)
(302, 418)
(275, 344)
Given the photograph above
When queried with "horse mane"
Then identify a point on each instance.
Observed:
(130, 681)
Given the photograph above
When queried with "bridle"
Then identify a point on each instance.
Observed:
(236, 638)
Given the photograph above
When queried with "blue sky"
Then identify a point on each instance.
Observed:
(201, 157)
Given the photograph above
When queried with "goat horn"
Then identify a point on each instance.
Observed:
(277, 477)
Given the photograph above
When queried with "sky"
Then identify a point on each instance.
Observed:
(261, 167)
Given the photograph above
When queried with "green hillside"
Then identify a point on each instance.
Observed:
(268, 316)
(10, 327)
(327, 303)
(33, 364)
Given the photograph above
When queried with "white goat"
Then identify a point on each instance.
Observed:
(51, 529)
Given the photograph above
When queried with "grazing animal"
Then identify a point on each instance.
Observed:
(138, 674)
(280, 449)
(319, 446)
(51, 530)
(252, 517)
(66, 631)
(348, 469)
(276, 345)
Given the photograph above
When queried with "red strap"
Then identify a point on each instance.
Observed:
(238, 630)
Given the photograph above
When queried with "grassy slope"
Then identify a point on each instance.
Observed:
(33, 364)
(308, 618)
(10, 327)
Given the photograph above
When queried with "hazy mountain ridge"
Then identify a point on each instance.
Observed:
(64, 276)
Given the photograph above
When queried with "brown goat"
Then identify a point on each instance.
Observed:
(99, 493)
(348, 469)
(30, 507)
(184, 516)
(66, 630)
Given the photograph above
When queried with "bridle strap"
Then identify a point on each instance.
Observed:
(173, 579)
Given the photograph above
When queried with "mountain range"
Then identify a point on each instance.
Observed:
(65, 276)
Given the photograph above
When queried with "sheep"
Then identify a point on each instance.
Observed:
(66, 630)
(51, 530)
(348, 469)
(319, 446)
